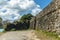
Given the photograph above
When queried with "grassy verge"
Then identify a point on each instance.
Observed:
(44, 35)
(1, 33)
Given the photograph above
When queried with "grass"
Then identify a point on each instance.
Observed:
(44, 35)
(1, 33)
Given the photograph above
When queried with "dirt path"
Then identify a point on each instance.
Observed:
(19, 35)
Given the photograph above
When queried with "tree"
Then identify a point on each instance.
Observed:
(25, 19)
(1, 22)
(23, 24)
(0, 19)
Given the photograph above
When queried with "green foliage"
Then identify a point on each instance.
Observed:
(0, 19)
(23, 24)
(1, 23)
(45, 34)
(26, 17)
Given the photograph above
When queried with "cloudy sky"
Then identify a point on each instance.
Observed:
(14, 9)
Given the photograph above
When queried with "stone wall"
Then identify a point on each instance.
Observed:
(49, 18)
(33, 23)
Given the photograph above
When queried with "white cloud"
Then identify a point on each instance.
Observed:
(36, 11)
(27, 4)
(12, 9)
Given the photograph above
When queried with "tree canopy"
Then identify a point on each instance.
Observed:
(23, 24)
(26, 17)
(1, 22)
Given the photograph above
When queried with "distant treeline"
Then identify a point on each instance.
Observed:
(21, 24)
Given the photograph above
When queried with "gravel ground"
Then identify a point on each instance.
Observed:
(19, 35)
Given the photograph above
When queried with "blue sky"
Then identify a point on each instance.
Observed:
(14, 9)
(42, 3)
